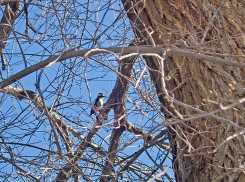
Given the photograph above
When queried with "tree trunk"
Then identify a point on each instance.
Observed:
(208, 27)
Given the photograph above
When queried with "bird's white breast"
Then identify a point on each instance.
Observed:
(100, 103)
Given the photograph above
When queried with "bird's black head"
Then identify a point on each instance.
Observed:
(100, 95)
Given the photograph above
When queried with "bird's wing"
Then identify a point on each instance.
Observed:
(96, 100)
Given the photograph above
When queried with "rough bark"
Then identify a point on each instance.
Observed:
(7, 22)
(205, 26)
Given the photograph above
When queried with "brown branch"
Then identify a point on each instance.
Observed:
(118, 96)
(194, 54)
(7, 21)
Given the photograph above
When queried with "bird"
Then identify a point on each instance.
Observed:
(98, 103)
